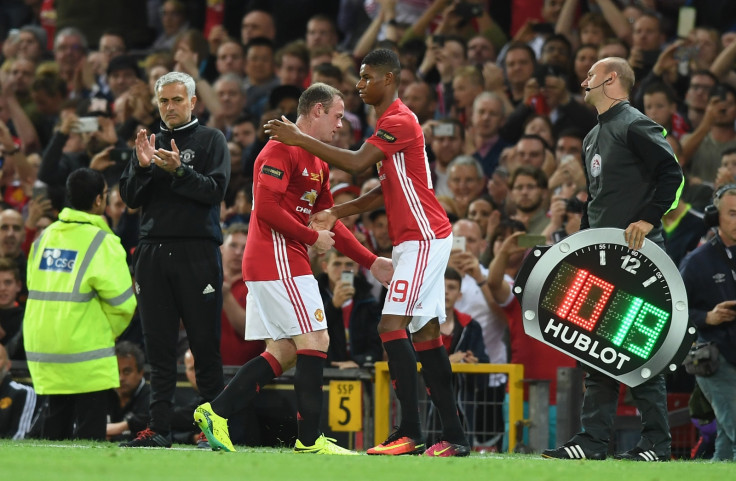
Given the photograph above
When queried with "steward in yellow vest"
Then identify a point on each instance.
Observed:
(80, 300)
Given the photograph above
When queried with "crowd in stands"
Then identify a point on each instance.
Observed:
(496, 87)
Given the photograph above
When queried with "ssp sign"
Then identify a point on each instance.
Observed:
(345, 406)
(621, 311)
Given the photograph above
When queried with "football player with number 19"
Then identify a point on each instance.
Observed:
(422, 239)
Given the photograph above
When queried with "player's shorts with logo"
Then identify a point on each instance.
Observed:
(283, 308)
(418, 285)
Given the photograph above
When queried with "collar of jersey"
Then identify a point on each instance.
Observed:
(189, 125)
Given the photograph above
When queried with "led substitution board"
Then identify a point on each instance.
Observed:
(621, 311)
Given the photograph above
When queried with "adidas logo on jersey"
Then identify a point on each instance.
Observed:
(305, 173)
(208, 290)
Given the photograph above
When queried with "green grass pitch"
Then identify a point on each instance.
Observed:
(31, 460)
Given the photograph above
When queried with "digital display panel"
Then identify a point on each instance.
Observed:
(622, 311)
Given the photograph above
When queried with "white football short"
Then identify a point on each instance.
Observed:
(418, 285)
(283, 308)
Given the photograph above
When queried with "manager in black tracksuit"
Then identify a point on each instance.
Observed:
(633, 180)
(178, 179)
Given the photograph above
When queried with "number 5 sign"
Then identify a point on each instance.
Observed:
(345, 406)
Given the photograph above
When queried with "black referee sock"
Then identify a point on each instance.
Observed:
(308, 387)
(402, 366)
(246, 384)
(437, 374)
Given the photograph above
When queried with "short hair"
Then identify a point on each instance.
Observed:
(259, 42)
(467, 160)
(128, 349)
(530, 171)
(571, 132)
(471, 73)
(328, 70)
(453, 275)
(705, 72)
(459, 40)
(297, 48)
(318, 93)
(487, 95)
(545, 145)
(115, 32)
(386, 60)
(615, 41)
(597, 20)
(728, 151)
(235, 228)
(728, 189)
(8, 265)
(231, 78)
(176, 77)
(83, 186)
(71, 31)
(623, 69)
(661, 87)
(558, 37)
(516, 45)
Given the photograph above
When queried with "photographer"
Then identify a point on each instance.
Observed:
(709, 273)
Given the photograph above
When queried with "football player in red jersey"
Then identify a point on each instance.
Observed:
(422, 239)
(284, 306)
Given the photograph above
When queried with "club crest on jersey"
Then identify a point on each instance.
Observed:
(595, 165)
(272, 171)
(310, 197)
(186, 156)
(382, 134)
(319, 315)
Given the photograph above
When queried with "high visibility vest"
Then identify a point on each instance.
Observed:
(80, 299)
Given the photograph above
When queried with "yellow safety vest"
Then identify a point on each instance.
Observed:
(80, 299)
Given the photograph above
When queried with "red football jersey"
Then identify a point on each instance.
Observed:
(303, 182)
(411, 207)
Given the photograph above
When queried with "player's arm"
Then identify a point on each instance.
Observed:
(279, 219)
(354, 162)
(367, 202)
(346, 243)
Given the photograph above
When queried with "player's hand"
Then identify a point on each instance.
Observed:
(323, 220)
(282, 130)
(636, 232)
(324, 241)
(145, 148)
(723, 312)
(383, 270)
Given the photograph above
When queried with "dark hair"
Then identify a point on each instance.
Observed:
(516, 45)
(705, 72)
(318, 93)
(82, 188)
(728, 151)
(328, 70)
(453, 275)
(8, 265)
(662, 87)
(571, 132)
(535, 136)
(386, 60)
(259, 42)
(128, 349)
(534, 172)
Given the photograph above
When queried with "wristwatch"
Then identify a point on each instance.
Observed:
(180, 171)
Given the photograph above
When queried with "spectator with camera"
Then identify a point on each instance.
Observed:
(709, 273)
